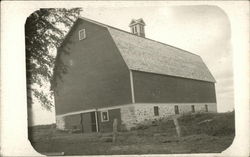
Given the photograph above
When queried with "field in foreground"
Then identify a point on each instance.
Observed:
(201, 133)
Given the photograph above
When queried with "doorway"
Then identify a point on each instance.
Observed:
(89, 122)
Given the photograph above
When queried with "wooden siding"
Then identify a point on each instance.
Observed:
(108, 125)
(83, 122)
(97, 75)
(153, 88)
(73, 122)
(86, 122)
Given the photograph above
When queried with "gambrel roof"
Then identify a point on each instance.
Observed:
(146, 55)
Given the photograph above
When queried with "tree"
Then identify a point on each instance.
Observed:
(44, 32)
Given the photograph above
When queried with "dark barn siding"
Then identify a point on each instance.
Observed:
(108, 126)
(73, 122)
(86, 122)
(82, 122)
(98, 77)
(149, 87)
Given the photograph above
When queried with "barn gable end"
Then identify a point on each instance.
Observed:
(97, 76)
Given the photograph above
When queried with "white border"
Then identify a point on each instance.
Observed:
(13, 88)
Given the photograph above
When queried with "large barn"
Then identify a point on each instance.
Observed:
(113, 74)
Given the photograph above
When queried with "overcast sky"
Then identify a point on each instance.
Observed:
(203, 30)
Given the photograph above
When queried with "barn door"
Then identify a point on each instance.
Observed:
(88, 121)
(93, 121)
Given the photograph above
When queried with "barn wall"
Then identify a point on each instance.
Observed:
(154, 88)
(212, 108)
(108, 125)
(86, 122)
(68, 122)
(127, 117)
(60, 122)
(97, 76)
(145, 111)
(73, 122)
(130, 115)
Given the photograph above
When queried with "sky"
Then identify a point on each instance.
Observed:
(201, 29)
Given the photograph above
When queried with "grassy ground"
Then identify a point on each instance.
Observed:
(201, 133)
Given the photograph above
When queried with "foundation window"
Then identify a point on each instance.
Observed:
(82, 34)
(105, 116)
(193, 109)
(206, 108)
(176, 109)
(156, 110)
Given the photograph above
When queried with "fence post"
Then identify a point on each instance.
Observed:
(177, 126)
(114, 129)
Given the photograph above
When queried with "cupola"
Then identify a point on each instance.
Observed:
(137, 27)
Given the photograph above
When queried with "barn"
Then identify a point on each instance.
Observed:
(112, 74)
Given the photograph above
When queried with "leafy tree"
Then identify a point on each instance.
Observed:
(44, 32)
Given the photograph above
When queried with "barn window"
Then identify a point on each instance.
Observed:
(206, 108)
(105, 116)
(82, 34)
(193, 109)
(135, 29)
(156, 110)
(176, 109)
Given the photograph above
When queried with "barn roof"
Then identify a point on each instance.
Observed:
(133, 21)
(146, 55)
(150, 56)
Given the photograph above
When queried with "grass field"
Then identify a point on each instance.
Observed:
(201, 133)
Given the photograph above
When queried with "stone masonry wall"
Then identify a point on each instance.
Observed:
(145, 111)
(127, 117)
(60, 122)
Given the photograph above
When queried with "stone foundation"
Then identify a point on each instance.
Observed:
(60, 122)
(128, 117)
(134, 114)
(144, 112)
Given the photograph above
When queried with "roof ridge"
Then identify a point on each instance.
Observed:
(90, 20)
(169, 45)
(105, 25)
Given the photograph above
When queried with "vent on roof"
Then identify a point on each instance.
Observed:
(137, 27)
